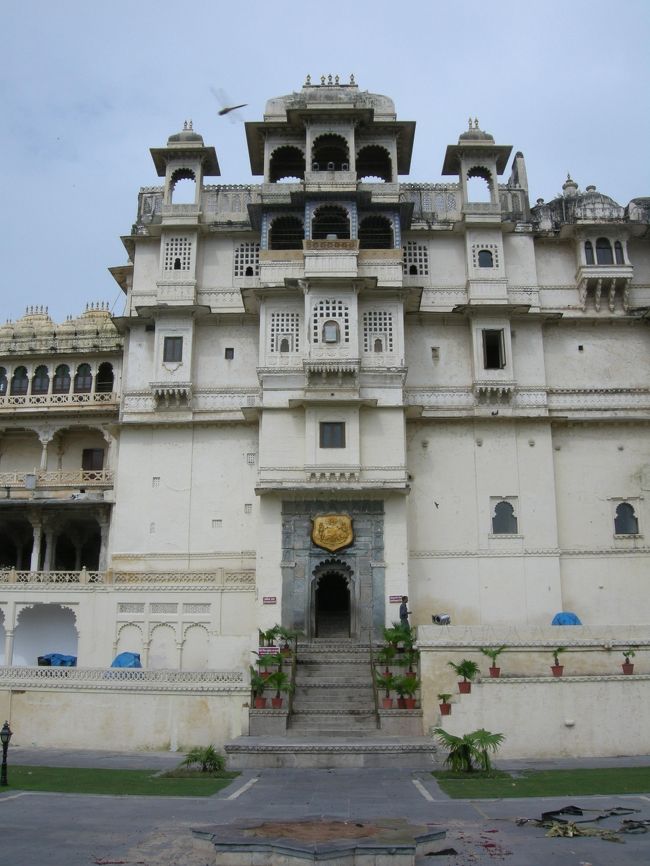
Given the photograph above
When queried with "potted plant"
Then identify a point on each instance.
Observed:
(281, 683)
(386, 681)
(493, 654)
(285, 635)
(556, 667)
(267, 638)
(258, 684)
(411, 658)
(386, 655)
(269, 660)
(445, 706)
(467, 669)
(628, 666)
(406, 688)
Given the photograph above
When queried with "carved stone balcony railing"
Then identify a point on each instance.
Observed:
(58, 478)
(83, 577)
(180, 213)
(16, 402)
(122, 679)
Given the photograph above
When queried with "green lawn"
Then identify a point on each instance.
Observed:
(549, 783)
(72, 780)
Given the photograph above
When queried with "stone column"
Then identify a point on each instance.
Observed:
(179, 649)
(103, 544)
(45, 437)
(49, 548)
(9, 647)
(145, 653)
(36, 548)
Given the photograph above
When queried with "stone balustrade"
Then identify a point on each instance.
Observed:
(40, 401)
(122, 679)
(83, 577)
(58, 478)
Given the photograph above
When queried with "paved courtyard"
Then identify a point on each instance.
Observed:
(75, 830)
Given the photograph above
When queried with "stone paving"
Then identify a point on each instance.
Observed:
(74, 830)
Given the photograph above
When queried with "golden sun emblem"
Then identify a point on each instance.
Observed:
(332, 531)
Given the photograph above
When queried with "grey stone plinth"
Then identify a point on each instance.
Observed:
(407, 723)
(267, 722)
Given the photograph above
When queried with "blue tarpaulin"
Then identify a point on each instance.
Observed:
(58, 660)
(566, 617)
(126, 660)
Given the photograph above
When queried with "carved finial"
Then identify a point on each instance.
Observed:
(352, 78)
(185, 126)
(470, 122)
(322, 79)
(329, 78)
(308, 81)
(476, 123)
(336, 79)
(190, 127)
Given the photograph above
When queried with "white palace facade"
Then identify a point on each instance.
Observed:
(461, 374)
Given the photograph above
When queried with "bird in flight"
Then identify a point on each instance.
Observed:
(226, 103)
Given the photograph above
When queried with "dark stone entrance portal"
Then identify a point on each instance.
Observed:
(332, 606)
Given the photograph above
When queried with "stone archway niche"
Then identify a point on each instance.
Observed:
(333, 602)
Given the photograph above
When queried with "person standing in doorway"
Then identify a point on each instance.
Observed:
(404, 612)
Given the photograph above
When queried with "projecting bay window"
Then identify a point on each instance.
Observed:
(332, 434)
(494, 354)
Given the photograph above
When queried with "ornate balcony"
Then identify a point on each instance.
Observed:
(58, 478)
(21, 402)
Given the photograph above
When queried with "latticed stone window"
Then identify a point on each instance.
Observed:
(415, 260)
(377, 331)
(481, 254)
(178, 254)
(285, 332)
(247, 259)
(330, 310)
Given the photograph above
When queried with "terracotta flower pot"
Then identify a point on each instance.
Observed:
(387, 703)
(276, 703)
(401, 703)
(558, 670)
(410, 703)
(411, 675)
(464, 687)
(445, 709)
(628, 667)
(495, 672)
(260, 703)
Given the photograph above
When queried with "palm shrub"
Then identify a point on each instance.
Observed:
(280, 682)
(467, 669)
(470, 752)
(386, 655)
(555, 653)
(258, 683)
(206, 757)
(407, 687)
(385, 681)
(493, 653)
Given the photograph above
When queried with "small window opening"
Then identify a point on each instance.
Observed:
(504, 520)
(229, 354)
(173, 350)
(604, 252)
(479, 185)
(485, 259)
(374, 163)
(626, 522)
(177, 264)
(284, 345)
(332, 434)
(378, 345)
(493, 350)
(331, 151)
(589, 252)
(19, 381)
(287, 163)
(286, 233)
(83, 380)
(104, 378)
(40, 381)
(330, 220)
(413, 271)
(375, 233)
(92, 459)
(618, 253)
(331, 332)
(249, 272)
(61, 381)
(183, 186)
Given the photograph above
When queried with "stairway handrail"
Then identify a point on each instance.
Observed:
(294, 661)
(375, 693)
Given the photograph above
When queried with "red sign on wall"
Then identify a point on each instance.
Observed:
(269, 599)
(395, 599)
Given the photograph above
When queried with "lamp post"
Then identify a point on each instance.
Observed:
(5, 736)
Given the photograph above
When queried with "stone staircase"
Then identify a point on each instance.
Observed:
(333, 695)
(333, 723)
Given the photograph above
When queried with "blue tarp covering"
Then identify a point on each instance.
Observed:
(58, 660)
(126, 660)
(566, 617)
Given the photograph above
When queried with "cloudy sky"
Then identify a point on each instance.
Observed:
(87, 88)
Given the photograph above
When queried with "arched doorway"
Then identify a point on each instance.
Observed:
(332, 601)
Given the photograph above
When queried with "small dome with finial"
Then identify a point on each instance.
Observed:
(186, 136)
(474, 133)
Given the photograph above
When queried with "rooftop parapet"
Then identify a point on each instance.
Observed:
(93, 330)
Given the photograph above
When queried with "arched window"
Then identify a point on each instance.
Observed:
(413, 270)
(19, 381)
(589, 253)
(105, 378)
(183, 186)
(331, 332)
(375, 233)
(61, 381)
(83, 380)
(485, 259)
(3, 381)
(40, 380)
(618, 253)
(626, 522)
(504, 520)
(286, 233)
(604, 252)
(378, 345)
(374, 163)
(284, 344)
(287, 163)
(249, 272)
(479, 185)
(330, 153)
(330, 223)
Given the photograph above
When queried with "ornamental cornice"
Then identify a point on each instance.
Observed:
(588, 678)
(503, 553)
(594, 643)
(356, 747)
